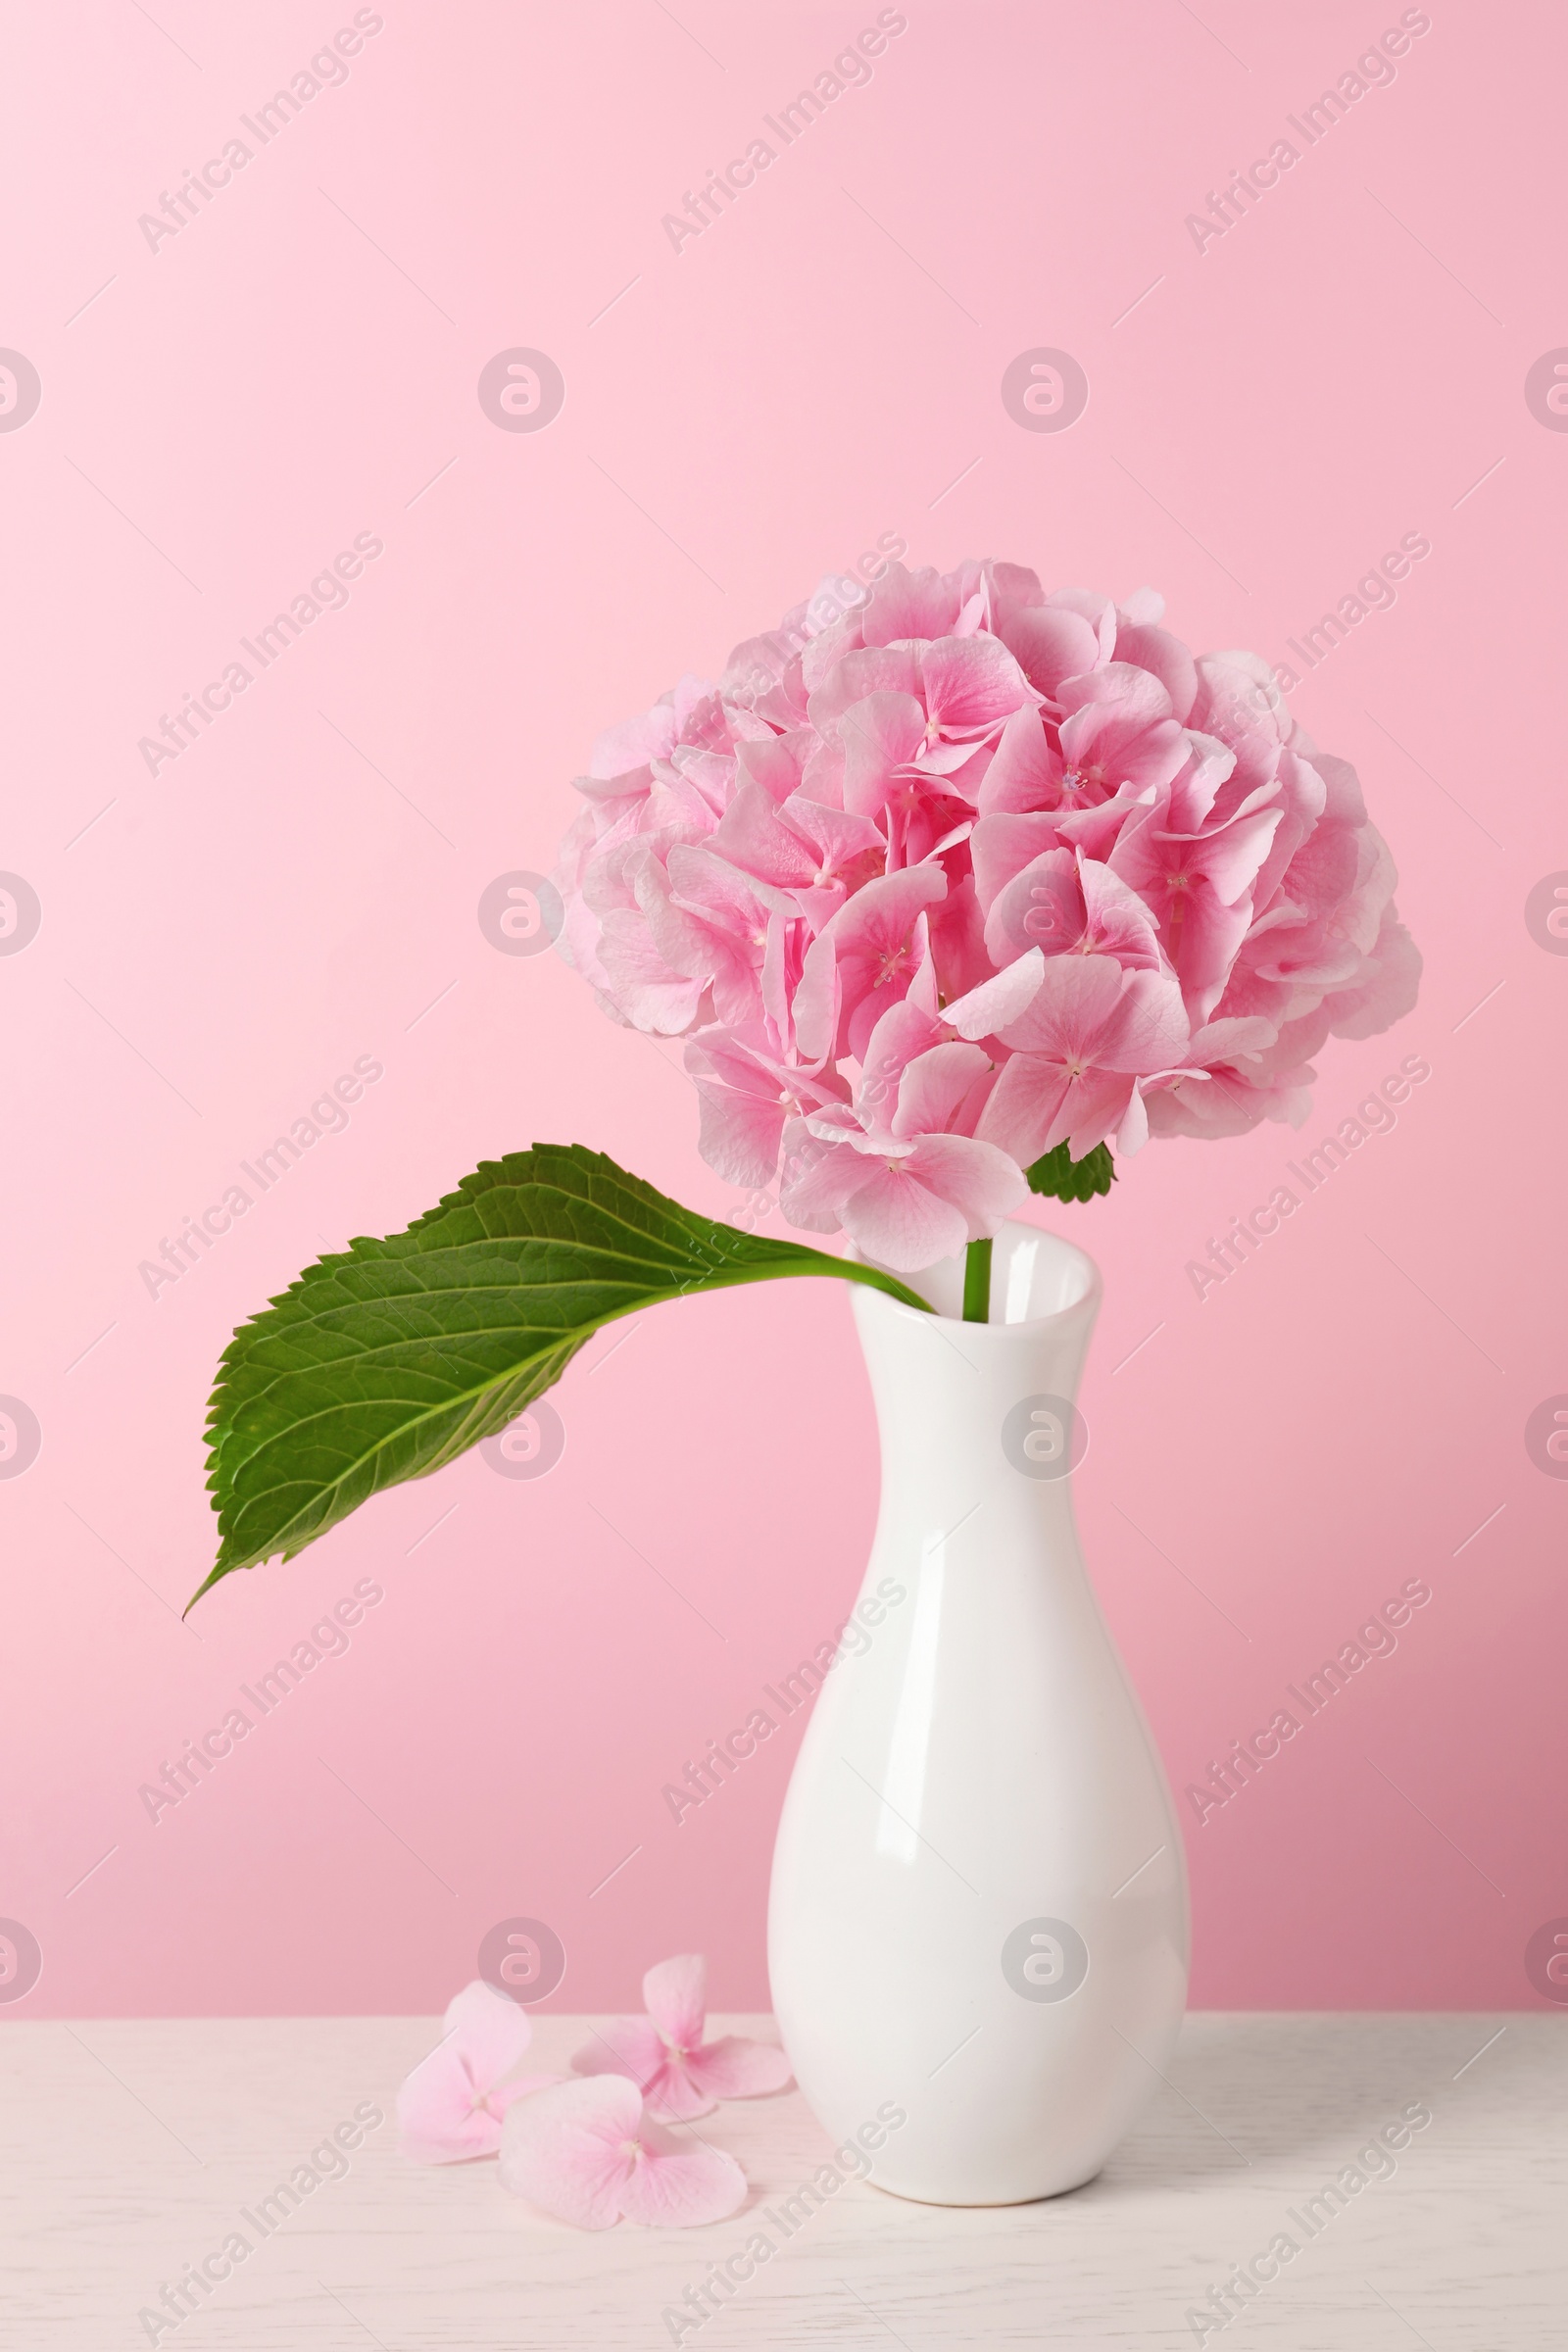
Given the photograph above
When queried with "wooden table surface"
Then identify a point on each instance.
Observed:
(129, 2151)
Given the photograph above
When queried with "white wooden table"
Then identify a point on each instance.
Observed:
(129, 2151)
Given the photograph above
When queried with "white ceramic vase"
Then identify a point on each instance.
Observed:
(979, 1916)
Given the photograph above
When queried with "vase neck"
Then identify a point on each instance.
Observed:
(974, 1414)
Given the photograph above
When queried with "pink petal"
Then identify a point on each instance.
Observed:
(1095, 1106)
(832, 641)
(981, 1181)
(651, 995)
(972, 684)
(1118, 923)
(1138, 697)
(738, 2068)
(1091, 606)
(957, 931)
(1157, 649)
(1133, 1133)
(873, 670)
(1025, 772)
(749, 834)
(819, 1176)
(897, 1223)
(1042, 907)
(674, 2092)
(909, 604)
(935, 1087)
(905, 1030)
(1023, 1105)
(449, 2108)
(1037, 1105)
(775, 764)
(843, 963)
(1389, 991)
(948, 1191)
(632, 2047)
(634, 742)
(680, 2183)
(1344, 804)
(1000, 1000)
(1149, 1030)
(491, 2030)
(1094, 831)
(880, 734)
(738, 1136)
(1077, 997)
(571, 2149)
(676, 1996)
(1050, 644)
(1001, 846)
(1009, 588)
(438, 2120)
(586, 2152)
(841, 840)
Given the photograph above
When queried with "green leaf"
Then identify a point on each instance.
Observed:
(388, 1360)
(1072, 1179)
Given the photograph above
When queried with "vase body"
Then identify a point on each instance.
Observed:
(978, 1914)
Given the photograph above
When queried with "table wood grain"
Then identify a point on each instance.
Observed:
(129, 2151)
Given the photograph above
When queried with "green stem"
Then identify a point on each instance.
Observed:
(977, 1283)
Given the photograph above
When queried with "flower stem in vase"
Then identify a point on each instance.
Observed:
(977, 1283)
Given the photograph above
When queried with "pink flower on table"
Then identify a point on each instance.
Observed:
(1076, 1055)
(663, 2053)
(588, 2154)
(453, 2104)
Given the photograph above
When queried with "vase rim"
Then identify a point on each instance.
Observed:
(942, 1284)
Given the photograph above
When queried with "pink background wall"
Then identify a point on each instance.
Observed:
(298, 365)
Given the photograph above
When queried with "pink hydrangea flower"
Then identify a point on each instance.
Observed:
(586, 2152)
(918, 802)
(453, 2104)
(677, 2071)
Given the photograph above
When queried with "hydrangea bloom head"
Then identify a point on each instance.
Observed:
(967, 873)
